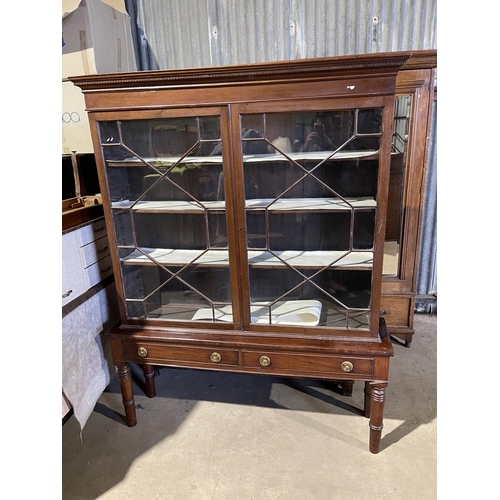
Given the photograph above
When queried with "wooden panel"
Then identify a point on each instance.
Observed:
(396, 182)
(204, 337)
(307, 364)
(73, 279)
(305, 70)
(398, 311)
(73, 218)
(172, 355)
(98, 271)
(92, 232)
(95, 251)
(120, 100)
(416, 79)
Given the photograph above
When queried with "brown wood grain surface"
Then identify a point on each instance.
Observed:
(274, 90)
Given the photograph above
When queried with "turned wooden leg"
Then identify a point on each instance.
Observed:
(376, 415)
(127, 393)
(368, 396)
(149, 378)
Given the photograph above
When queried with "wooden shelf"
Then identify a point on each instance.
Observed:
(316, 259)
(169, 161)
(273, 205)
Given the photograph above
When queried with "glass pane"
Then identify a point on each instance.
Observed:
(393, 233)
(166, 183)
(311, 189)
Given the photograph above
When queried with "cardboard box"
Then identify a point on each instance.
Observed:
(75, 123)
(96, 38)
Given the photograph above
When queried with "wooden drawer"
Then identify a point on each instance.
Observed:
(396, 311)
(98, 271)
(86, 259)
(73, 278)
(95, 251)
(92, 232)
(308, 364)
(171, 354)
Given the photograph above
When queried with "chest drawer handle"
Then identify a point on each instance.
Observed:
(67, 294)
(142, 351)
(102, 250)
(264, 361)
(347, 366)
(215, 357)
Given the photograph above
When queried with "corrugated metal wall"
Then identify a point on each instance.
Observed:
(194, 33)
(427, 263)
(174, 34)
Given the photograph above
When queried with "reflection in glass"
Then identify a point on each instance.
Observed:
(311, 189)
(393, 234)
(166, 185)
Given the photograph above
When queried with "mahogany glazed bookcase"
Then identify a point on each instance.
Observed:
(246, 210)
(411, 134)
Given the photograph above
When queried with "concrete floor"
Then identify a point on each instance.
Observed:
(220, 436)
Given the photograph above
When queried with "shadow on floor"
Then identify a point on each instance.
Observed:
(179, 390)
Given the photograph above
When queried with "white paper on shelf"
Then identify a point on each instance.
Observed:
(272, 157)
(171, 205)
(310, 259)
(296, 258)
(285, 312)
(282, 204)
(296, 204)
(176, 257)
(313, 156)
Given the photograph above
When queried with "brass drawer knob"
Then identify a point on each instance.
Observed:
(142, 351)
(347, 366)
(215, 357)
(264, 361)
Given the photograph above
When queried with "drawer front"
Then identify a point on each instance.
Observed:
(94, 251)
(98, 271)
(396, 311)
(308, 364)
(73, 278)
(92, 232)
(180, 354)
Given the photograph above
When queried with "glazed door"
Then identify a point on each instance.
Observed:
(314, 181)
(167, 176)
(413, 107)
